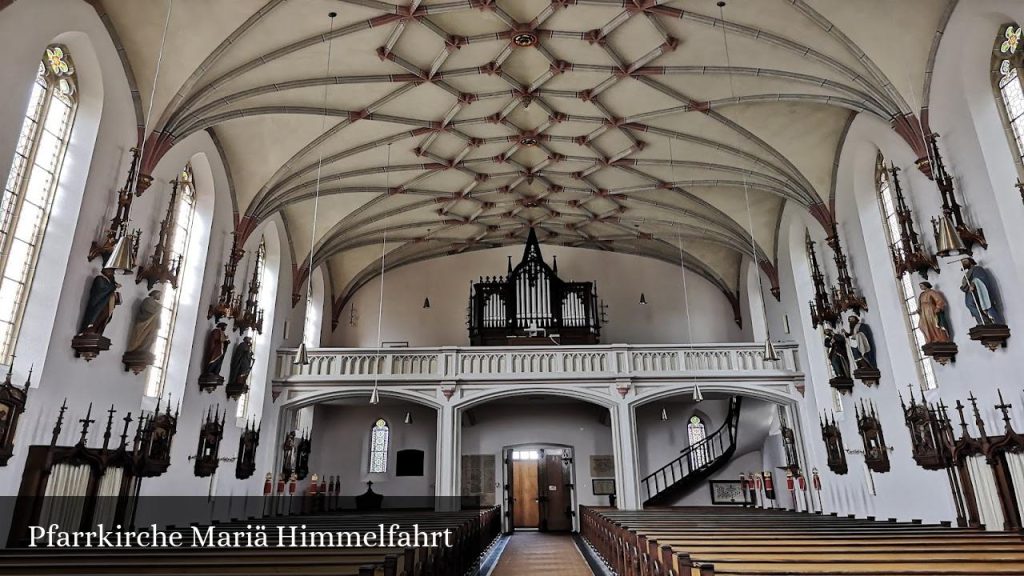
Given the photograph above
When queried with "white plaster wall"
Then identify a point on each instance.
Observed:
(341, 446)
(620, 280)
(975, 149)
(83, 205)
(500, 424)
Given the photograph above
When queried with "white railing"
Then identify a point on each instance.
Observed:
(543, 362)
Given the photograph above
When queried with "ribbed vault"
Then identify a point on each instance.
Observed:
(455, 125)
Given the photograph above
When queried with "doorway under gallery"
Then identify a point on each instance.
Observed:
(539, 487)
(530, 444)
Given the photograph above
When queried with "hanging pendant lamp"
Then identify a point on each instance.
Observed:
(426, 303)
(664, 415)
(408, 417)
(698, 396)
(121, 258)
(770, 355)
(301, 355)
(374, 395)
(643, 298)
(947, 239)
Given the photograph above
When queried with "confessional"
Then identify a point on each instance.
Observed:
(532, 306)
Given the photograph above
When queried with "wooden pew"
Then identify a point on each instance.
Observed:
(727, 541)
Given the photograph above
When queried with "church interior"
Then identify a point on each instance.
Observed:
(630, 287)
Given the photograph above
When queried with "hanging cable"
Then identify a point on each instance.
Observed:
(769, 349)
(156, 73)
(682, 272)
(380, 308)
(316, 199)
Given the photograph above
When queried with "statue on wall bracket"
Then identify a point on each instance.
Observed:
(934, 325)
(862, 347)
(839, 360)
(241, 365)
(99, 309)
(213, 358)
(982, 300)
(138, 354)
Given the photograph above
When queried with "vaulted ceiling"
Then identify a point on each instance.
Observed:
(662, 128)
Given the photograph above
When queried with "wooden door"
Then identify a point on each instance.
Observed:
(556, 497)
(525, 504)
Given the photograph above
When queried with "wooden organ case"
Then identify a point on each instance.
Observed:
(532, 306)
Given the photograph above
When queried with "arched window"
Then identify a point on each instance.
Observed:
(262, 337)
(380, 438)
(904, 282)
(170, 295)
(28, 194)
(696, 433)
(1009, 61)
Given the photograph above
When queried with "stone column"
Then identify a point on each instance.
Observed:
(448, 455)
(627, 479)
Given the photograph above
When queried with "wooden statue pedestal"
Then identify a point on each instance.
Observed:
(993, 336)
(842, 383)
(138, 360)
(89, 346)
(210, 382)
(234, 390)
(869, 376)
(941, 352)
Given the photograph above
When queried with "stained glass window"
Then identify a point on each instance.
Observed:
(27, 196)
(1009, 55)
(905, 283)
(169, 295)
(699, 454)
(380, 437)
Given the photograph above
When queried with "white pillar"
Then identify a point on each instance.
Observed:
(627, 479)
(448, 458)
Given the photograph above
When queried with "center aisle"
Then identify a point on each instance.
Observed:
(528, 553)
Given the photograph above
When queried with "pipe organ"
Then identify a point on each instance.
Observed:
(531, 305)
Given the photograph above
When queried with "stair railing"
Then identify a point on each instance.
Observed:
(696, 457)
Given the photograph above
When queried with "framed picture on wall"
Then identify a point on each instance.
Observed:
(727, 493)
(604, 486)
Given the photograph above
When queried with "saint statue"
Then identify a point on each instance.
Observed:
(835, 347)
(241, 363)
(147, 324)
(980, 295)
(288, 454)
(216, 346)
(931, 306)
(99, 308)
(862, 344)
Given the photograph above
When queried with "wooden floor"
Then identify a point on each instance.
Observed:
(529, 553)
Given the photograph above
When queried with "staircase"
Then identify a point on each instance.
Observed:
(695, 463)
